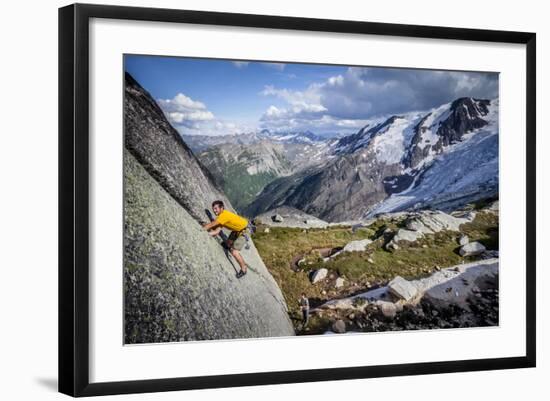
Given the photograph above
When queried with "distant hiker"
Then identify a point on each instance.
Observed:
(237, 225)
(304, 306)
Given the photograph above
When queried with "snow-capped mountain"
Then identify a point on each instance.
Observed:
(305, 137)
(199, 143)
(444, 156)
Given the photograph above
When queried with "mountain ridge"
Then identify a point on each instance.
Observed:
(391, 157)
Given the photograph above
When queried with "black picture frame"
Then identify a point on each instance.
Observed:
(74, 198)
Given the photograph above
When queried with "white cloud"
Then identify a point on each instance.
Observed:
(182, 110)
(302, 104)
(215, 127)
(192, 117)
(179, 118)
(363, 93)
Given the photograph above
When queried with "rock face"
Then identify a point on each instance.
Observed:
(159, 148)
(178, 282)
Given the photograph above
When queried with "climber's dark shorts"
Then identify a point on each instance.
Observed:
(238, 240)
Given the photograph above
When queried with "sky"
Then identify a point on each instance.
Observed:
(220, 97)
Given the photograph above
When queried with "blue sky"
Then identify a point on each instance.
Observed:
(216, 97)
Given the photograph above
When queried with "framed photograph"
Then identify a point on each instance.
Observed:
(253, 199)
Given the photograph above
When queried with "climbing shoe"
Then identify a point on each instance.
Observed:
(240, 274)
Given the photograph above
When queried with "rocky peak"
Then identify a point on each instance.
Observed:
(466, 114)
(445, 126)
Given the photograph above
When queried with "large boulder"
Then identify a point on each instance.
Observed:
(403, 235)
(402, 289)
(286, 216)
(357, 246)
(437, 220)
(178, 282)
(433, 221)
(471, 249)
(319, 275)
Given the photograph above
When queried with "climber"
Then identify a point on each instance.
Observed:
(237, 225)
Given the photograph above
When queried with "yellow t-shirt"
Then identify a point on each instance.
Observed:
(232, 221)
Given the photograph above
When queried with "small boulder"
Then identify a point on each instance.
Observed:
(471, 249)
(319, 275)
(339, 282)
(357, 246)
(388, 309)
(339, 326)
(402, 289)
(460, 268)
(392, 246)
(406, 235)
(463, 239)
(277, 218)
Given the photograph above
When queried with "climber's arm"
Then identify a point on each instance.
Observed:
(211, 225)
(215, 231)
(214, 226)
